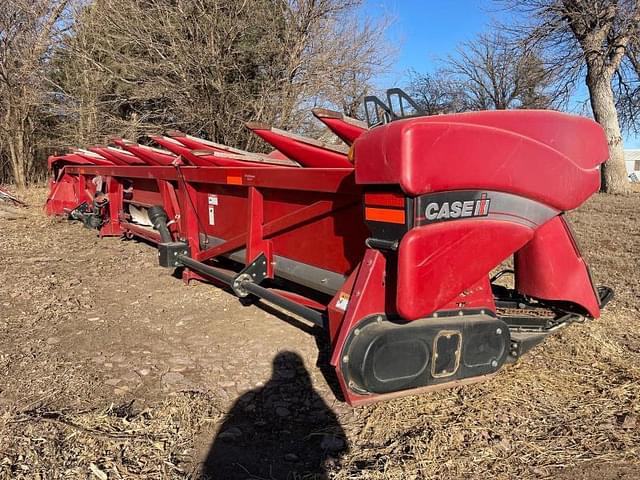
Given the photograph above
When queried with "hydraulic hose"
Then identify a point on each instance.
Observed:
(159, 219)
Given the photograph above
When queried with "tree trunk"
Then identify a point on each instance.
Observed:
(613, 174)
(16, 155)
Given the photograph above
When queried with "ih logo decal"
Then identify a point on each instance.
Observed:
(457, 209)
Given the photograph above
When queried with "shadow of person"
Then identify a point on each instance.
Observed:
(283, 430)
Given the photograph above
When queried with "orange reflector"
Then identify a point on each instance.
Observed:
(351, 154)
(234, 180)
(384, 199)
(388, 215)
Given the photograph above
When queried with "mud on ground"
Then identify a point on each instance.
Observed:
(110, 368)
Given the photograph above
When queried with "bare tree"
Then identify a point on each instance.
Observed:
(344, 53)
(208, 66)
(594, 39)
(495, 73)
(28, 29)
(487, 73)
(626, 84)
(437, 93)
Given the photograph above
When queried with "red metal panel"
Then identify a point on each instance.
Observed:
(550, 267)
(179, 149)
(62, 195)
(110, 156)
(151, 155)
(476, 297)
(369, 296)
(114, 194)
(321, 230)
(431, 154)
(169, 202)
(332, 241)
(95, 158)
(578, 138)
(256, 244)
(338, 305)
(437, 262)
(305, 151)
(67, 159)
(119, 157)
(348, 129)
(306, 179)
(146, 193)
(189, 216)
(196, 143)
(279, 224)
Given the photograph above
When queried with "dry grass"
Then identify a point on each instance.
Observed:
(568, 403)
(111, 442)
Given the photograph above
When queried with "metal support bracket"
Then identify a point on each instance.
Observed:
(255, 272)
(168, 253)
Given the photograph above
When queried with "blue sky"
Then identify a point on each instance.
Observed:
(425, 30)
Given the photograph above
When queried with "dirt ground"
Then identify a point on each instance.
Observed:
(112, 368)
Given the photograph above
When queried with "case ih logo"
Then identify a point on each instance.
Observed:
(449, 210)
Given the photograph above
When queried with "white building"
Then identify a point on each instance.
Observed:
(632, 161)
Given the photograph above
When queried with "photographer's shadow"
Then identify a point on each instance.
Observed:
(280, 431)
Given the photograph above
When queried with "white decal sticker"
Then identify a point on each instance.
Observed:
(212, 201)
(343, 301)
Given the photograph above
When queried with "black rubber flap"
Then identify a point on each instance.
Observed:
(383, 356)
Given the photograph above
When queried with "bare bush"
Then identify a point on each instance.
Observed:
(208, 66)
(28, 30)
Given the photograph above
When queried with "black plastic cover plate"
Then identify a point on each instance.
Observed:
(382, 356)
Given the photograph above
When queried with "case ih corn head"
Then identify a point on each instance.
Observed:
(387, 242)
